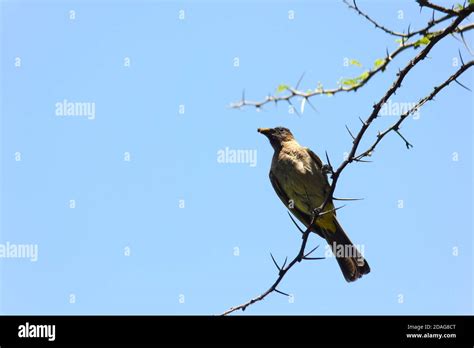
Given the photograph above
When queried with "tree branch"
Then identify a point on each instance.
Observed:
(396, 126)
(397, 84)
(436, 7)
(295, 92)
(281, 274)
(461, 15)
(354, 7)
(409, 33)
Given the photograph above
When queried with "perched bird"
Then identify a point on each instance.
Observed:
(299, 178)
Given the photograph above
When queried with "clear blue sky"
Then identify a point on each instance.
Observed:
(190, 251)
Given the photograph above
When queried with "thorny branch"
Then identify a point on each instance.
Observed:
(408, 34)
(396, 126)
(281, 273)
(295, 92)
(436, 7)
(352, 157)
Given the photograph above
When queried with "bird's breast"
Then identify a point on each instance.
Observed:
(302, 181)
(286, 162)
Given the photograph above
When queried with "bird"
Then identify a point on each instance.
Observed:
(299, 178)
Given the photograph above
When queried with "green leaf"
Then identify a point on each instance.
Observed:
(423, 41)
(363, 76)
(282, 88)
(379, 62)
(458, 7)
(355, 62)
(356, 80)
(471, 2)
(349, 82)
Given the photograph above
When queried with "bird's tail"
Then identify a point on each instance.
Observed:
(352, 263)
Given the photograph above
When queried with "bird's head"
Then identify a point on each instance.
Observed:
(277, 136)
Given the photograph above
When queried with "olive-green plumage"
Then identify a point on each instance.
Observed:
(300, 182)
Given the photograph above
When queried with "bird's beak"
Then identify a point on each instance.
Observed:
(264, 131)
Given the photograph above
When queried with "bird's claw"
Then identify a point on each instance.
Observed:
(327, 169)
(314, 215)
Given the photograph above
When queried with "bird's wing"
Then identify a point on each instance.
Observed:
(319, 164)
(302, 216)
(279, 191)
(315, 158)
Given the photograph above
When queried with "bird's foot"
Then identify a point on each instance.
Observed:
(327, 169)
(314, 214)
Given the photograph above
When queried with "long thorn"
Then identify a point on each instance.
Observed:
(350, 133)
(331, 210)
(460, 84)
(297, 226)
(299, 81)
(466, 45)
(312, 250)
(327, 159)
(460, 57)
(361, 160)
(281, 292)
(294, 109)
(276, 264)
(347, 199)
(311, 104)
(284, 263)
